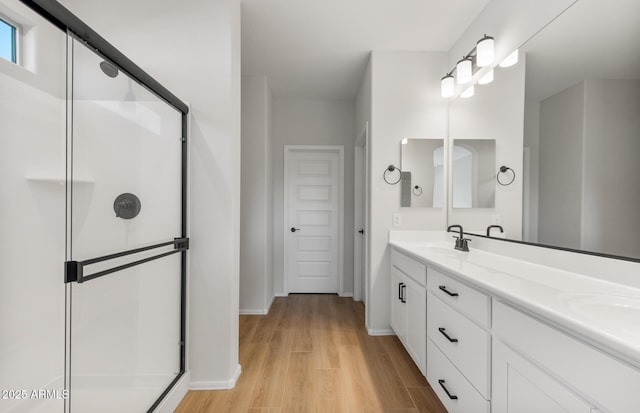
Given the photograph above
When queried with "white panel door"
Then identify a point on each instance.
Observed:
(312, 219)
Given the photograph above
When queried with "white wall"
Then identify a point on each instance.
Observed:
(312, 122)
(561, 155)
(256, 237)
(496, 111)
(611, 195)
(531, 196)
(201, 64)
(406, 102)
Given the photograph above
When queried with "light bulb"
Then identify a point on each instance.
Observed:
(486, 78)
(484, 51)
(468, 92)
(447, 86)
(464, 71)
(510, 60)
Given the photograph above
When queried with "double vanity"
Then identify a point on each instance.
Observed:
(494, 333)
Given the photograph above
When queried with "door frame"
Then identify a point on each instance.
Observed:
(288, 150)
(360, 216)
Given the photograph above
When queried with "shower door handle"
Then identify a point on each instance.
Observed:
(74, 270)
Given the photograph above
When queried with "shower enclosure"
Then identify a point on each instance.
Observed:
(93, 217)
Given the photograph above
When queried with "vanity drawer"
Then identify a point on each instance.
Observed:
(468, 300)
(442, 375)
(409, 266)
(466, 344)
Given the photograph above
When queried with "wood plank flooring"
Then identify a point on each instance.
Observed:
(311, 353)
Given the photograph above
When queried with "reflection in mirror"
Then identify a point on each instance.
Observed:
(422, 183)
(582, 130)
(474, 162)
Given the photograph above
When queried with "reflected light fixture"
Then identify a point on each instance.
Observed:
(510, 60)
(447, 86)
(468, 92)
(486, 78)
(404, 141)
(484, 51)
(464, 70)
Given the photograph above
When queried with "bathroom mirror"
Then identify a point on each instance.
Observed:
(422, 180)
(582, 130)
(473, 179)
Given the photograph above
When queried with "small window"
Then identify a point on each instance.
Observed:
(8, 41)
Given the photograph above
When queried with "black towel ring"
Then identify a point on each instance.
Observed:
(392, 168)
(417, 190)
(503, 170)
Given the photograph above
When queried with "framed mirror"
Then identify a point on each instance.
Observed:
(422, 180)
(582, 131)
(473, 179)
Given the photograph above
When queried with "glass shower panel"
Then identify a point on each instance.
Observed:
(126, 194)
(32, 211)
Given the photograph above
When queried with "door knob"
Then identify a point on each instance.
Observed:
(294, 229)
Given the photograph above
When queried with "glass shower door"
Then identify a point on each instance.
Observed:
(124, 263)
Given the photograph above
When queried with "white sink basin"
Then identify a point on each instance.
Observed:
(606, 309)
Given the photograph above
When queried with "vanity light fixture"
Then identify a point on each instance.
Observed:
(464, 70)
(484, 51)
(486, 78)
(481, 55)
(468, 92)
(447, 85)
(510, 60)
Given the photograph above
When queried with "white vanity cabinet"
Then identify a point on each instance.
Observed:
(409, 306)
(538, 368)
(459, 344)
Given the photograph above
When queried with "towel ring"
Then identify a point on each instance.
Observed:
(417, 190)
(389, 169)
(503, 170)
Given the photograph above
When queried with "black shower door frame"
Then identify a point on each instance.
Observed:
(66, 21)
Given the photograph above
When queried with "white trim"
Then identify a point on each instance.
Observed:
(346, 295)
(175, 396)
(383, 332)
(339, 149)
(217, 385)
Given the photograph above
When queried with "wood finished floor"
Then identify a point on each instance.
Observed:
(311, 353)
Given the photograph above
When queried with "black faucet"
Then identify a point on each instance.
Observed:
(493, 226)
(461, 241)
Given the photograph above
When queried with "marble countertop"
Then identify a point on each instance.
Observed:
(604, 313)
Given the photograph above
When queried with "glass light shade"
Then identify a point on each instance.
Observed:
(468, 92)
(447, 86)
(510, 60)
(484, 51)
(464, 71)
(486, 78)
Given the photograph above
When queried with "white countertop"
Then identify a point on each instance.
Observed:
(604, 313)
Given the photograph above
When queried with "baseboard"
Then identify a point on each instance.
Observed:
(273, 297)
(383, 332)
(345, 294)
(217, 385)
(177, 393)
(253, 312)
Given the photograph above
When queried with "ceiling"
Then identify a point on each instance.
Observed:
(319, 49)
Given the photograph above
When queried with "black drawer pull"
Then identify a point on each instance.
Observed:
(451, 396)
(404, 289)
(400, 291)
(451, 340)
(444, 288)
